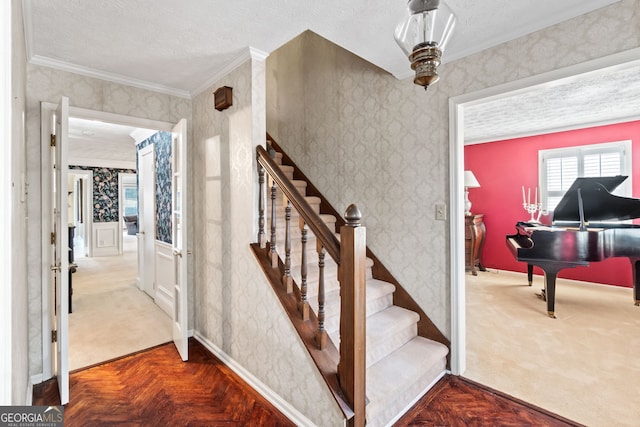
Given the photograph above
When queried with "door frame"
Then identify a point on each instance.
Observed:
(86, 176)
(123, 181)
(47, 110)
(457, 105)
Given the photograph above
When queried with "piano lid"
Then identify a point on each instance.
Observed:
(598, 202)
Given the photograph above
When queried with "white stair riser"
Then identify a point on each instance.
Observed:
(332, 313)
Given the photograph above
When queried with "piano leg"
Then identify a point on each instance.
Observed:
(635, 267)
(530, 273)
(551, 270)
(550, 291)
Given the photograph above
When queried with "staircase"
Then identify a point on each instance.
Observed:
(400, 365)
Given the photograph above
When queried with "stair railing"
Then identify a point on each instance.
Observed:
(349, 254)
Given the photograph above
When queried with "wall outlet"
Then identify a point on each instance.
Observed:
(441, 212)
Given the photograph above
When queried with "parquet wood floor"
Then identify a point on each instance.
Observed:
(458, 402)
(155, 388)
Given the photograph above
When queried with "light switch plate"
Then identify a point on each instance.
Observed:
(441, 212)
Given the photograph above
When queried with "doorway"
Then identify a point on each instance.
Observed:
(98, 118)
(81, 195)
(106, 298)
(458, 130)
(457, 107)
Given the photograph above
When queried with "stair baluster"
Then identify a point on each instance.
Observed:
(348, 382)
(274, 254)
(261, 236)
(286, 279)
(321, 335)
(303, 305)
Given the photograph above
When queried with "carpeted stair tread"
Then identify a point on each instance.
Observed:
(387, 330)
(379, 297)
(396, 381)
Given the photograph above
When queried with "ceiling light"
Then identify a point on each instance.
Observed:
(423, 37)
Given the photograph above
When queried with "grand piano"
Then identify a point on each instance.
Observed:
(578, 235)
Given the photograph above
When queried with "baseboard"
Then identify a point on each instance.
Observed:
(276, 400)
(37, 378)
(28, 399)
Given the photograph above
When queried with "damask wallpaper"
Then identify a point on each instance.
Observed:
(105, 192)
(236, 309)
(364, 137)
(162, 148)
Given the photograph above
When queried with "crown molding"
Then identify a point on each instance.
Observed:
(245, 55)
(103, 75)
(28, 27)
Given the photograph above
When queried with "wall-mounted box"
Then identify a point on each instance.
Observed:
(223, 98)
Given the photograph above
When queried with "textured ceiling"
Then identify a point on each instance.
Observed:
(180, 48)
(94, 143)
(177, 47)
(597, 98)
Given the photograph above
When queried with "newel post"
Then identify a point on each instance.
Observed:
(352, 365)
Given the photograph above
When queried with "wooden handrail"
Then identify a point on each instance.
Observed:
(350, 255)
(312, 219)
(402, 298)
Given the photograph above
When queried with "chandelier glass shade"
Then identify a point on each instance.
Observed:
(423, 36)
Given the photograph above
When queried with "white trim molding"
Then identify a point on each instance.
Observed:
(163, 269)
(6, 133)
(102, 163)
(244, 56)
(104, 75)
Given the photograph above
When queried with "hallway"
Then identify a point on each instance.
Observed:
(111, 317)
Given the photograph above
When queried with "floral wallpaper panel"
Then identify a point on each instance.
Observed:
(162, 148)
(105, 192)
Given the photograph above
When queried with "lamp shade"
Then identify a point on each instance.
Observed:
(470, 180)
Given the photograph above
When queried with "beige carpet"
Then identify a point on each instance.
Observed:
(111, 316)
(584, 365)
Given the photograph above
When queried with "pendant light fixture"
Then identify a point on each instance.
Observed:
(423, 37)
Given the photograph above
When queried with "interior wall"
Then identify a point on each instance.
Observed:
(48, 84)
(236, 309)
(364, 137)
(500, 200)
(17, 354)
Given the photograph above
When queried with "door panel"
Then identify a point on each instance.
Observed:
(147, 219)
(179, 237)
(60, 243)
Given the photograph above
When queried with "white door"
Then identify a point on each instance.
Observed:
(179, 237)
(60, 248)
(147, 219)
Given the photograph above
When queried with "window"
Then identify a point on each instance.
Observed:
(561, 166)
(130, 200)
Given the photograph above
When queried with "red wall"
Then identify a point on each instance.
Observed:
(503, 167)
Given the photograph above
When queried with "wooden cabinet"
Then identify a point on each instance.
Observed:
(474, 232)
